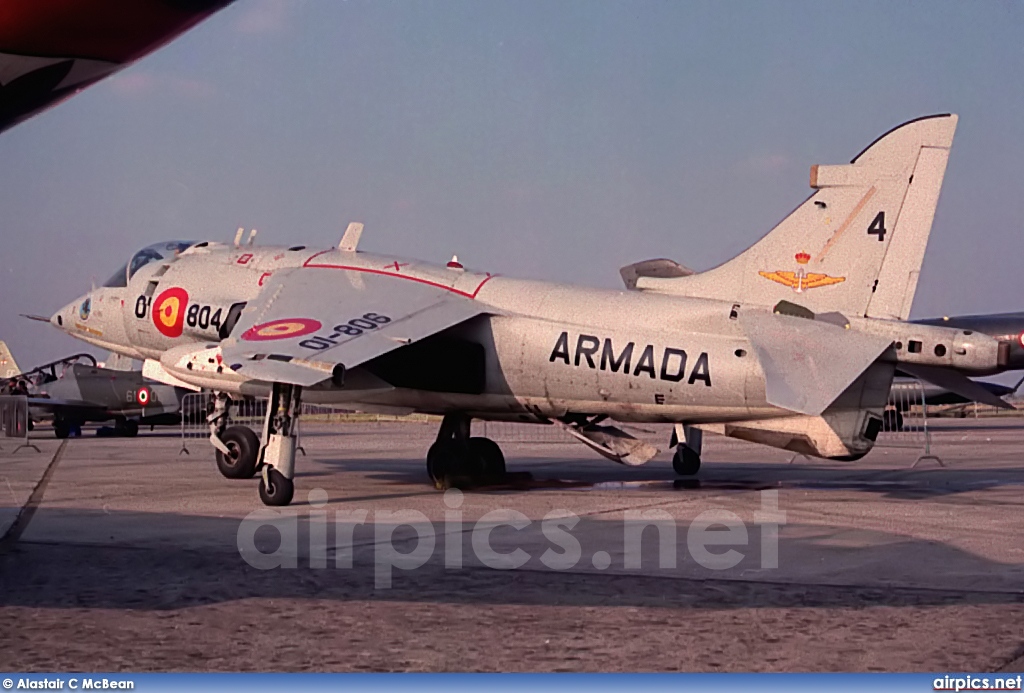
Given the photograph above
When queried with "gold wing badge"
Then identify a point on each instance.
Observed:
(801, 279)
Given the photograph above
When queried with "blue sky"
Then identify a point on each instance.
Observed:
(551, 139)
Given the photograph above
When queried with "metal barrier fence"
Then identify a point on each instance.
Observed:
(14, 421)
(905, 420)
(512, 432)
(196, 406)
(250, 411)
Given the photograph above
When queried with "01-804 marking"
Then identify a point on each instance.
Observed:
(342, 332)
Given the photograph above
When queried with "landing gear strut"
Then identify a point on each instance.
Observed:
(277, 457)
(240, 454)
(456, 458)
(687, 442)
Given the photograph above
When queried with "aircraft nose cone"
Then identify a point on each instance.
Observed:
(62, 318)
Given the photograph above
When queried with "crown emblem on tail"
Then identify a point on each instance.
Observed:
(801, 279)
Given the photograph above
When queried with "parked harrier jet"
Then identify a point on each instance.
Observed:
(792, 344)
(75, 390)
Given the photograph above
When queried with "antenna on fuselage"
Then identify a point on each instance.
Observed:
(350, 240)
(252, 236)
(238, 236)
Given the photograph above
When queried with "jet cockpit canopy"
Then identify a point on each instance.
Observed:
(151, 253)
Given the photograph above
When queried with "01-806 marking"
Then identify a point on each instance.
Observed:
(351, 329)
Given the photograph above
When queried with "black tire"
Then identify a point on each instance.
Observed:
(685, 462)
(435, 462)
(61, 429)
(279, 491)
(892, 420)
(449, 460)
(491, 459)
(130, 428)
(245, 447)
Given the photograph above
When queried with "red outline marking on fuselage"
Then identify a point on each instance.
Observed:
(395, 275)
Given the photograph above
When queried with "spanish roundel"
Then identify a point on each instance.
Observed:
(281, 329)
(142, 396)
(169, 311)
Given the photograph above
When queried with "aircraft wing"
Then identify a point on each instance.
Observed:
(808, 363)
(50, 404)
(308, 321)
(956, 383)
(52, 49)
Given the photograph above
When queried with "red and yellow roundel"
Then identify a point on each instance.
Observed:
(281, 329)
(142, 396)
(169, 311)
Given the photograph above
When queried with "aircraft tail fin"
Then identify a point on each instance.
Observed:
(855, 245)
(8, 367)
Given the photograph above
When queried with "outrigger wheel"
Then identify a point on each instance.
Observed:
(686, 461)
(244, 447)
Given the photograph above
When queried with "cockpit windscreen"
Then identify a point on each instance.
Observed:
(151, 253)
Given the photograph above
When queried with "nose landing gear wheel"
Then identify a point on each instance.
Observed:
(244, 446)
(685, 462)
(275, 490)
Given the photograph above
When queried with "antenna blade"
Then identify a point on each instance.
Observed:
(350, 240)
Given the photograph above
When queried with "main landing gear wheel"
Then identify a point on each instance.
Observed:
(491, 461)
(457, 459)
(275, 490)
(243, 446)
(685, 462)
(447, 459)
(61, 429)
(129, 429)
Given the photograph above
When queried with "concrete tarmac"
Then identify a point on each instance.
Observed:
(122, 554)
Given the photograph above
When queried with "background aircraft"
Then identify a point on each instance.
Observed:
(1007, 327)
(76, 390)
(52, 49)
